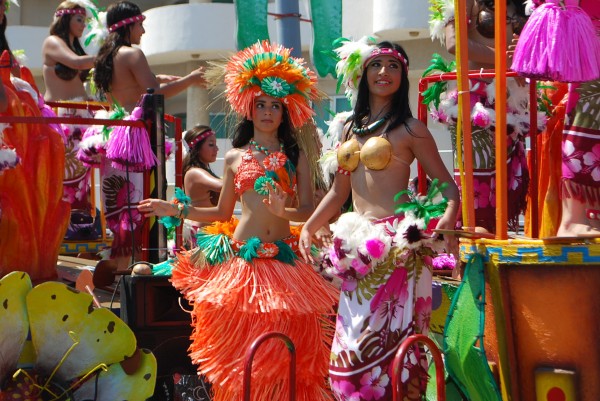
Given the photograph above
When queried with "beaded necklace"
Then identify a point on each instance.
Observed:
(262, 149)
(369, 129)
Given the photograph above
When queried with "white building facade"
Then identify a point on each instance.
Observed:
(180, 36)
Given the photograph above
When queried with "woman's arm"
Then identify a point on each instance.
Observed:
(56, 50)
(223, 211)
(202, 180)
(140, 69)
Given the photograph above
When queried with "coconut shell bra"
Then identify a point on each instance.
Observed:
(375, 154)
(253, 174)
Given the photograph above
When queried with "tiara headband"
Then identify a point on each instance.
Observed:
(200, 137)
(353, 57)
(126, 21)
(269, 69)
(68, 11)
(386, 51)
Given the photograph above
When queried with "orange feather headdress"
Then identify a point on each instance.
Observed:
(266, 68)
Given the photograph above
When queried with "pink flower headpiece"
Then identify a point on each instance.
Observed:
(386, 51)
(199, 138)
(69, 11)
(126, 21)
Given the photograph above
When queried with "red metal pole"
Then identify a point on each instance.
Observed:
(533, 136)
(250, 357)
(398, 363)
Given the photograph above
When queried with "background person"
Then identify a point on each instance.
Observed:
(200, 183)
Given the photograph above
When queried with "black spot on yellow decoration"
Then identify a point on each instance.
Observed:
(5, 303)
(53, 296)
(147, 376)
(65, 317)
(111, 327)
(91, 307)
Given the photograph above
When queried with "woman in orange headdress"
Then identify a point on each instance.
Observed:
(252, 282)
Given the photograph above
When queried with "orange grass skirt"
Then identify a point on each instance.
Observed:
(237, 301)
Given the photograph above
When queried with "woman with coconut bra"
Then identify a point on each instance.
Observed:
(384, 270)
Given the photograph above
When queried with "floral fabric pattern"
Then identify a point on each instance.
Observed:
(386, 297)
(122, 194)
(581, 145)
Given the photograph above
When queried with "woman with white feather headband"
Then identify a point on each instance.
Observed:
(381, 252)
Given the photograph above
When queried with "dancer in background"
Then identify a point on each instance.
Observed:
(122, 75)
(248, 279)
(65, 70)
(200, 183)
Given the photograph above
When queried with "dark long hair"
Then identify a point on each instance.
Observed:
(244, 131)
(400, 107)
(192, 158)
(61, 27)
(103, 67)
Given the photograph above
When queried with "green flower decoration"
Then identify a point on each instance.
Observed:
(76, 352)
(275, 86)
(261, 185)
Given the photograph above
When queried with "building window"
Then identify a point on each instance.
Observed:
(222, 124)
(327, 109)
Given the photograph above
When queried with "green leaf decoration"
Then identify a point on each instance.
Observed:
(286, 254)
(215, 247)
(438, 66)
(249, 250)
(423, 207)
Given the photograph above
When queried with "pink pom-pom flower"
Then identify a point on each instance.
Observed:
(375, 247)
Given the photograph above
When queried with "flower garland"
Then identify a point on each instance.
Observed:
(360, 244)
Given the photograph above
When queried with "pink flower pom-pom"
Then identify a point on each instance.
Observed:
(375, 247)
(444, 261)
(361, 268)
(480, 116)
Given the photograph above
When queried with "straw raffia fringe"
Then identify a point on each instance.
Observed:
(238, 297)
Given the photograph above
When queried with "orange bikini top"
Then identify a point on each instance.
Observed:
(275, 167)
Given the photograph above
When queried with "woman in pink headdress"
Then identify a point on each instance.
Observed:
(65, 70)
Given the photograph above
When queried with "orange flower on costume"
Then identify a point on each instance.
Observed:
(222, 227)
(274, 161)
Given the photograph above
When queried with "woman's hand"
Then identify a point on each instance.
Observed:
(157, 207)
(198, 77)
(304, 244)
(323, 237)
(275, 202)
(450, 241)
